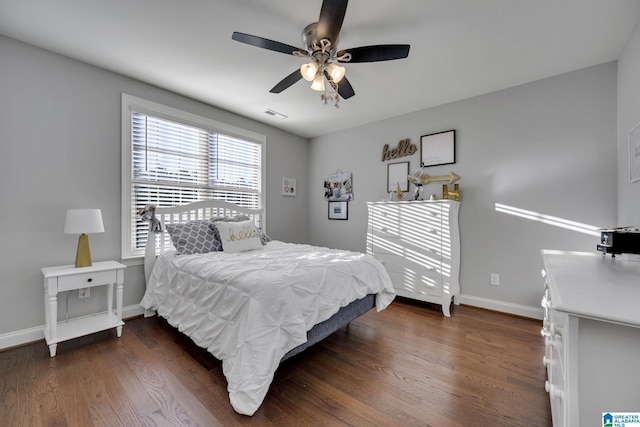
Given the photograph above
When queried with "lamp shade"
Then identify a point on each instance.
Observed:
(309, 71)
(318, 83)
(336, 72)
(83, 221)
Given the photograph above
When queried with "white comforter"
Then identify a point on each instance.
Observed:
(249, 309)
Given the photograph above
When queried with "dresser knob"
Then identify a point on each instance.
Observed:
(554, 330)
(89, 280)
(554, 392)
(545, 302)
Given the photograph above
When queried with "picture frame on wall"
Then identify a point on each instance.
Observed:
(438, 148)
(339, 209)
(634, 154)
(338, 186)
(288, 186)
(398, 174)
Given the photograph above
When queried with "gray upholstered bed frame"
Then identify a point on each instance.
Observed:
(211, 209)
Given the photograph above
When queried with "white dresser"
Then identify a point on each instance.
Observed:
(592, 336)
(418, 242)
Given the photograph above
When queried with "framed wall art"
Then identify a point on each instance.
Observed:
(338, 186)
(288, 186)
(398, 175)
(634, 154)
(339, 209)
(438, 148)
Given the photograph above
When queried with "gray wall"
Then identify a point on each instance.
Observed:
(547, 147)
(60, 141)
(628, 118)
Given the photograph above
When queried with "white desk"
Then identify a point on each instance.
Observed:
(592, 336)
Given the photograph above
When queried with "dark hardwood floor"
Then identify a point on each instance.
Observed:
(405, 366)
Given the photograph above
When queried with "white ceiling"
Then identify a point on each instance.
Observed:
(459, 48)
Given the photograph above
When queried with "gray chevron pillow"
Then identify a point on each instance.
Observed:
(193, 237)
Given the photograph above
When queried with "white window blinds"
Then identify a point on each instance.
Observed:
(175, 163)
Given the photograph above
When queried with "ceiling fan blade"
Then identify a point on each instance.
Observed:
(331, 17)
(382, 52)
(344, 89)
(268, 44)
(287, 81)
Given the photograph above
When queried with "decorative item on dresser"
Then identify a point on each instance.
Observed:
(592, 336)
(418, 242)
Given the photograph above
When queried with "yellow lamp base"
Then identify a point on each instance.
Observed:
(83, 255)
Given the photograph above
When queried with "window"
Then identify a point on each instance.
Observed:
(171, 157)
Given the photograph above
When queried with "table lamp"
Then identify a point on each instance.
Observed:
(83, 222)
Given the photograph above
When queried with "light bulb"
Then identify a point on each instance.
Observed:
(309, 71)
(318, 83)
(336, 72)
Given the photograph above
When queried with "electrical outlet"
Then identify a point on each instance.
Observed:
(83, 293)
(495, 279)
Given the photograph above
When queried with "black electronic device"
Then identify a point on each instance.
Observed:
(624, 240)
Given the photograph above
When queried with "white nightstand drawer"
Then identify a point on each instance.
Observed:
(86, 280)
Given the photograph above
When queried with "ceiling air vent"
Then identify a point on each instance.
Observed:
(275, 114)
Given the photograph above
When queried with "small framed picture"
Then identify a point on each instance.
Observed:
(438, 148)
(288, 186)
(398, 175)
(338, 210)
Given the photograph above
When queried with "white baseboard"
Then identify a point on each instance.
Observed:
(501, 306)
(26, 336)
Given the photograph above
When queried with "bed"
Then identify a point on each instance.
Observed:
(252, 305)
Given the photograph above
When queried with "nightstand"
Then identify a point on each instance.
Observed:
(67, 278)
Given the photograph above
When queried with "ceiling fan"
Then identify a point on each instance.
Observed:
(321, 46)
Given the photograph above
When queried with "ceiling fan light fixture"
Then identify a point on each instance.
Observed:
(309, 71)
(320, 40)
(336, 72)
(318, 83)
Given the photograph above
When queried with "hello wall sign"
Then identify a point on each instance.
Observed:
(403, 149)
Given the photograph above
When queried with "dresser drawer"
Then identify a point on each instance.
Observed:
(423, 252)
(385, 232)
(555, 386)
(410, 265)
(86, 280)
(416, 284)
(557, 331)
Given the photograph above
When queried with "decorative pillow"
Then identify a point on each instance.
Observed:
(263, 236)
(193, 237)
(238, 236)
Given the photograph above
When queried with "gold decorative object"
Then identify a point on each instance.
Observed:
(455, 192)
(399, 193)
(425, 179)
